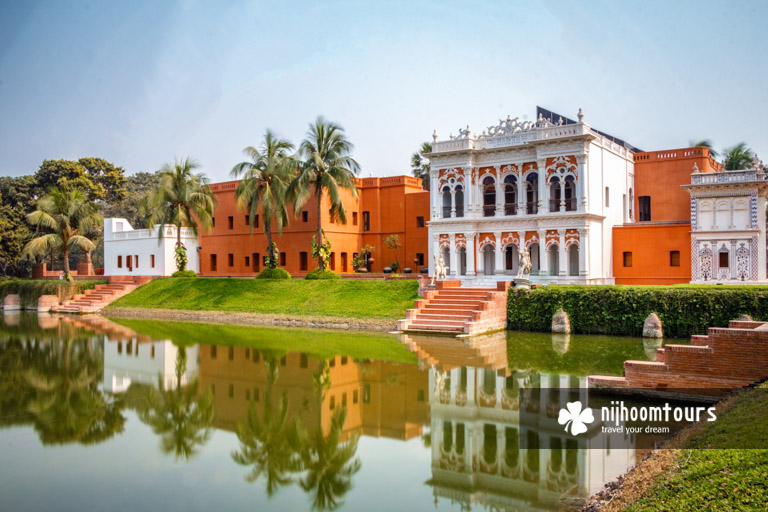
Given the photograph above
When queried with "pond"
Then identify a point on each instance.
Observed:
(115, 414)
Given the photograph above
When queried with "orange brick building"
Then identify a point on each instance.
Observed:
(656, 247)
(385, 206)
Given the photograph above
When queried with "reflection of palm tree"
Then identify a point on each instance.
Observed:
(329, 463)
(67, 405)
(183, 423)
(266, 444)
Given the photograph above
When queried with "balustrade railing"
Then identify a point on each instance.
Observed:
(532, 208)
(510, 209)
(446, 212)
(727, 177)
(489, 210)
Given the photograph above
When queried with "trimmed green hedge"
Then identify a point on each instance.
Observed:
(621, 310)
(184, 273)
(273, 273)
(322, 274)
(30, 290)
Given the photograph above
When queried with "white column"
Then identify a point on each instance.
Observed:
(454, 268)
(499, 193)
(543, 196)
(453, 204)
(562, 196)
(434, 193)
(521, 194)
(562, 256)
(498, 261)
(470, 237)
(583, 181)
(480, 262)
(543, 256)
(435, 252)
(584, 252)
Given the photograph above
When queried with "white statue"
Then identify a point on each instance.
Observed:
(525, 264)
(440, 269)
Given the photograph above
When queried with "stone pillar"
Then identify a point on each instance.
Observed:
(499, 193)
(467, 195)
(470, 237)
(453, 204)
(543, 256)
(543, 196)
(562, 196)
(584, 252)
(562, 256)
(480, 261)
(582, 198)
(498, 262)
(453, 251)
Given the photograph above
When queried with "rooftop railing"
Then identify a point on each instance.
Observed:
(707, 178)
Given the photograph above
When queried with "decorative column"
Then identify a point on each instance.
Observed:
(584, 252)
(434, 193)
(543, 256)
(521, 192)
(543, 197)
(498, 262)
(480, 261)
(562, 259)
(467, 194)
(470, 249)
(499, 193)
(582, 195)
(562, 195)
(435, 252)
(453, 269)
(453, 203)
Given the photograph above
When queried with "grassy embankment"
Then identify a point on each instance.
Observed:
(342, 298)
(714, 466)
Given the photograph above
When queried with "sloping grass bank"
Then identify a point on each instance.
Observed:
(621, 310)
(327, 298)
(29, 290)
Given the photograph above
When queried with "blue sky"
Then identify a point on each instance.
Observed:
(142, 82)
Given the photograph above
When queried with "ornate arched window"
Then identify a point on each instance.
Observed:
(459, 199)
(532, 193)
(554, 194)
(510, 195)
(489, 197)
(446, 202)
(570, 194)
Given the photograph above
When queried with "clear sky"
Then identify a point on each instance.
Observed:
(141, 82)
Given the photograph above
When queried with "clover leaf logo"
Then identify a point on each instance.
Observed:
(575, 417)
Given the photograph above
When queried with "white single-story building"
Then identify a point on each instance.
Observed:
(140, 252)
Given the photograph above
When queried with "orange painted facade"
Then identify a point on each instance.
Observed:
(385, 206)
(656, 247)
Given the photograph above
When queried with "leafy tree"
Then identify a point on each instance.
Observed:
(393, 242)
(327, 166)
(420, 165)
(264, 184)
(705, 143)
(99, 179)
(737, 157)
(135, 205)
(182, 198)
(66, 215)
(19, 195)
(108, 179)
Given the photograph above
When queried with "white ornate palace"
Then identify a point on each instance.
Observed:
(555, 186)
(728, 236)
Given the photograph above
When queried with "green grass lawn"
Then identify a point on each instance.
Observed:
(318, 343)
(332, 298)
(709, 477)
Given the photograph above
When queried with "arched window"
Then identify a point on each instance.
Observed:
(446, 202)
(570, 194)
(510, 195)
(573, 260)
(554, 195)
(459, 198)
(532, 193)
(489, 197)
(554, 259)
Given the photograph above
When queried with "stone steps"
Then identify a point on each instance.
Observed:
(91, 301)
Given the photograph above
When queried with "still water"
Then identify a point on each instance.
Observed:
(99, 414)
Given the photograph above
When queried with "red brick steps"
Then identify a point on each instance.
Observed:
(94, 300)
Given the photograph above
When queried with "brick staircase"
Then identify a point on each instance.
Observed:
(451, 309)
(94, 300)
(727, 358)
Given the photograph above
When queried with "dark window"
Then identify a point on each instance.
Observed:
(343, 262)
(420, 258)
(256, 261)
(255, 221)
(627, 259)
(344, 359)
(674, 258)
(136, 259)
(152, 260)
(332, 362)
(366, 221)
(231, 259)
(256, 356)
(213, 222)
(119, 262)
(282, 259)
(419, 222)
(304, 361)
(420, 395)
(354, 396)
(231, 222)
(283, 360)
(333, 261)
(354, 218)
(231, 353)
(213, 351)
(305, 216)
(247, 261)
(644, 208)
(213, 263)
(247, 220)
(489, 197)
(723, 260)
(302, 261)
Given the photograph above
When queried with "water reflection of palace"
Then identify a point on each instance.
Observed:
(496, 441)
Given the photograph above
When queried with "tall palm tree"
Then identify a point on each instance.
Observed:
(737, 157)
(264, 184)
(67, 214)
(327, 166)
(705, 143)
(183, 198)
(420, 165)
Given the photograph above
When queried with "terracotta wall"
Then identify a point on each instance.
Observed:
(650, 246)
(393, 205)
(660, 174)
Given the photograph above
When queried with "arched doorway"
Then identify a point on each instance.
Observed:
(489, 261)
(553, 261)
(570, 194)
(511, 259)
(554, 195)
(532, 193)
(510, 195)
(489, 197)
(445, 252)
(462, 261)
(535, 258)
(573, 260)
(459, 201)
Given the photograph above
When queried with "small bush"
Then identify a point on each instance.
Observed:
(184, 273)
(273, 273)
(322, 274)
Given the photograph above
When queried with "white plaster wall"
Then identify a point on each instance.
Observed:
(122, 369)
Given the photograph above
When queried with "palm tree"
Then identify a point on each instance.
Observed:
(67, 213)
(737, 157)
(265, 180)
(327, 166)
(420, 165)
(705, 143)
(182, 198)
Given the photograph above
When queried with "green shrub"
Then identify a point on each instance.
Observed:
(29, 290)
(184, 273)
(621, 310)
(273, 273)
(322, 274)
